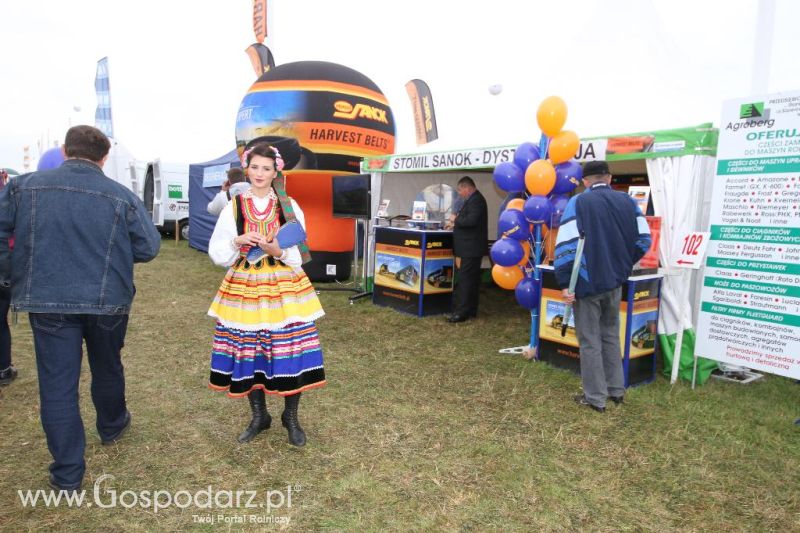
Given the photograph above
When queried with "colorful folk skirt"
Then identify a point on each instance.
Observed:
(265, 335)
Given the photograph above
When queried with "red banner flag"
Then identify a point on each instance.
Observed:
(261, 58)
(260, 20)
(424, 115)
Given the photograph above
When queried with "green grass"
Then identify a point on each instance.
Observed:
(422, 427)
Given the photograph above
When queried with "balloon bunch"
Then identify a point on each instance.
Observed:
(52, 158)
(541, 177)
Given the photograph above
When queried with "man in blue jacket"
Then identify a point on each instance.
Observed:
(78, 234)
(616, 236)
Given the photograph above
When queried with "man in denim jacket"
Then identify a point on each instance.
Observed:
(78, 234)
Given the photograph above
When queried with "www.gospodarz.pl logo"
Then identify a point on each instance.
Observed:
(752, 115)
(105, 497)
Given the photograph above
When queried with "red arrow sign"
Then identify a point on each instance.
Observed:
(690, 250)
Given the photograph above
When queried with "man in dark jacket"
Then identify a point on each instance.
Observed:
(78, 234)
(616, 236)
(470, 237)
(7, 371)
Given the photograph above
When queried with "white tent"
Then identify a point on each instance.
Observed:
(679, 165)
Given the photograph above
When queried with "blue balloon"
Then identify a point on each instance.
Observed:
(511, 223)
(509, 177)
(526, 154)
(568, 176)
(558, 203)
(507, 252)
(537, 210)
(50, 159)
(527, 293)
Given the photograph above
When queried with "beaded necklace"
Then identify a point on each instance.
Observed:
(264, 222)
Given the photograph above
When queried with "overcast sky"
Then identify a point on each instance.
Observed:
(179, 71)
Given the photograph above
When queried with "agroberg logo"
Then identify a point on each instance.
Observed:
(754, 110)
(752, 115)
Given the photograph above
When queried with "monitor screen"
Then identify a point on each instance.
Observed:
(351, 197)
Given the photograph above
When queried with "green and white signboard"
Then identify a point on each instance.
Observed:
(175, 191)
(750, 310)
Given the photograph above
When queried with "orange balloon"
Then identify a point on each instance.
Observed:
(526, 247)
(540, 178)
(550, 245)
(545, 230)
(507, 277)
(516, 203)
(564, 146)
(552, 115)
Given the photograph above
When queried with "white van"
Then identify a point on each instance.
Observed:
(165, 193)
(163, 187)
(118, 167)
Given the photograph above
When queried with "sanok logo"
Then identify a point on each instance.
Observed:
(347, 110)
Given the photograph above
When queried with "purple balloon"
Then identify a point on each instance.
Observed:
(507, 252)
(509, 177)
(568, 176)
(537, 210)
(527, 293)
(511, 223)
(51, 159)
(526, 154)
(557, 205)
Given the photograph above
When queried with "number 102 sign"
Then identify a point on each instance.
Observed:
(691, 249)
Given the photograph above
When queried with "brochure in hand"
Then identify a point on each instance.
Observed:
(290, 234)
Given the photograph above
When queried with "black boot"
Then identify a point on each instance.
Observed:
(261, 419)
(297, 436)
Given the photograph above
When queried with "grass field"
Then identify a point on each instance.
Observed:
(422, 427)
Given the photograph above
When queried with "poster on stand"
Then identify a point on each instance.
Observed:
(750, 303)
(551, 320)
(398, 267)
(438, 271)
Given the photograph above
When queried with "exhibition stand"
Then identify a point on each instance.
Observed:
(638, 318)
(677, 166)
(413, 270)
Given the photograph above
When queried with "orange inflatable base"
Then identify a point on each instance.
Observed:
(313, 191)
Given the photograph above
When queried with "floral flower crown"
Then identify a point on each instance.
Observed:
(278, 159)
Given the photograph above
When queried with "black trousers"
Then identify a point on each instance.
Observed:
(465, 293)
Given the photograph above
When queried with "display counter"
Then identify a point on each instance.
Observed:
(638, 320)
(413, 270)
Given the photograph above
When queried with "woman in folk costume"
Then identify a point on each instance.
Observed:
(265, 338)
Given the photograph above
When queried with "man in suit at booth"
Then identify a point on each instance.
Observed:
(470, 238)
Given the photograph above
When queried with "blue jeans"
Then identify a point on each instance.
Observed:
(58, 340)
(5, 332)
